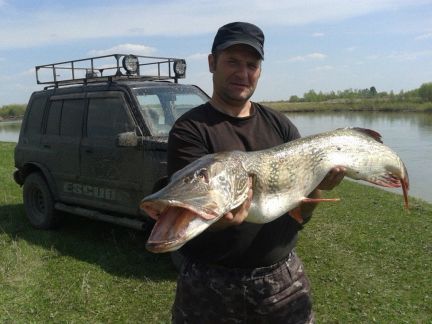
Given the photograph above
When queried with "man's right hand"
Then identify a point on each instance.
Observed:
(235, 216)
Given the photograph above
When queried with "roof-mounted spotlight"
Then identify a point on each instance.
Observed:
(130, 64)
(91, 74)
(180, 69)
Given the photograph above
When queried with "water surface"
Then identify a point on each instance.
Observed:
(408, 134)
(9, 131)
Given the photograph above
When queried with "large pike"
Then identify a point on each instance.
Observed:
(283, 176)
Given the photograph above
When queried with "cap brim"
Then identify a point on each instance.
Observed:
(255, 46)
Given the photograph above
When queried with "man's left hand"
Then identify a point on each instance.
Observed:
(333, 178)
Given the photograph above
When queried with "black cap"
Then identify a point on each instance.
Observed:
(239, 33)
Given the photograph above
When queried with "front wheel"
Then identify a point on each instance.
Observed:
(39, 202)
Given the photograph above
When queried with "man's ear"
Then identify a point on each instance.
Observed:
(211, 63)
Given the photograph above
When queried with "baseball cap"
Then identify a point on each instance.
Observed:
(239, 33)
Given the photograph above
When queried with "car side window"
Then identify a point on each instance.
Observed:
(151, 106)
(72, 117)
(107, 117)
(35, 115)
(53, 119)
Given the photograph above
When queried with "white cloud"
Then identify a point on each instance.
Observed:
(136, 49)
(373, 57)
(324, 68)
(28, 72)
(401, 55)
(316, 56)
(57, 23)
(410, 56)
(317, 34)
(197, 56)
(424, 36)
(307, 57)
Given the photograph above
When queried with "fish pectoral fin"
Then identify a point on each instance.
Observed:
(296, 212)
(318, 200)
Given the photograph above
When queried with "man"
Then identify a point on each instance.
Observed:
(239, 272)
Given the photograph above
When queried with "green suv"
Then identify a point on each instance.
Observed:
(93, 141)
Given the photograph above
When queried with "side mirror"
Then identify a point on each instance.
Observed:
(127, 139)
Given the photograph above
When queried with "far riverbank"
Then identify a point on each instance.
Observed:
(350, 105)
(16, 112)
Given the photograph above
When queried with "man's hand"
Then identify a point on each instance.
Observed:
(332, 179)
(235, 216)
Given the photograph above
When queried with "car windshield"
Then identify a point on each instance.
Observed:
(162, 105)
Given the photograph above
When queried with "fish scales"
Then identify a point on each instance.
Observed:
(299, 166)
(283, 176)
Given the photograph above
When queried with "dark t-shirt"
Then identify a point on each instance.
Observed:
(204, 130)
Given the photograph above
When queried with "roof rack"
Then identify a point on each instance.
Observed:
(111, 67)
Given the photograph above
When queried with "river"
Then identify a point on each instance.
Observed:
(9, 131)
(408, 134)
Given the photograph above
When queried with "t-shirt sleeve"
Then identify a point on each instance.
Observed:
(286, 128)
(185, 145)
(290, 131)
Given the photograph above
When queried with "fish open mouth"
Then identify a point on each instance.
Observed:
(175, 225)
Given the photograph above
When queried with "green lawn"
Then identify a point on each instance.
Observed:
(368, 260)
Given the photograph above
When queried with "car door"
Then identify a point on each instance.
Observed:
(110, 174)
(61, 139)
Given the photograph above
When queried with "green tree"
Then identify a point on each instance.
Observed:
(294, 99)
(310, 96)
(425, 91)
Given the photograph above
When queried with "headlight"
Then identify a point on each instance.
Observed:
(130, 64)
(180, 68)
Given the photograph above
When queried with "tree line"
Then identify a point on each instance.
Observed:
(422, 94)
(12, 111)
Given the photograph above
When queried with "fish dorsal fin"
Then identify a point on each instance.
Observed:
(369, 132)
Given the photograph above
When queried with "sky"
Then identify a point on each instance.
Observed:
(324, 45)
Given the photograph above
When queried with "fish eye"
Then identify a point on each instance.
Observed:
(203, 175)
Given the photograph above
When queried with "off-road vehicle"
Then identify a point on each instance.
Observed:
(93, 141)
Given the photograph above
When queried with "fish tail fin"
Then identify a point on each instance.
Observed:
(405, 186)
(391, 181)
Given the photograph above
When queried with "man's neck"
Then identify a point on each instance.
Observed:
(239, 110)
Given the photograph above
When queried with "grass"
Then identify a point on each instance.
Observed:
(368, 261)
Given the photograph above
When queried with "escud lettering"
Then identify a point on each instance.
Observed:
(88, 190)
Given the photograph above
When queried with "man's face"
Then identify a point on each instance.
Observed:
(236, 71)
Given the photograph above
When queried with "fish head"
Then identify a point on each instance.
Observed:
(196, 197)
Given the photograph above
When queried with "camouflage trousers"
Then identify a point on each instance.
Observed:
(276, 294)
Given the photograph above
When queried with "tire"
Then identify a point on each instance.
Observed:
(39, 202)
